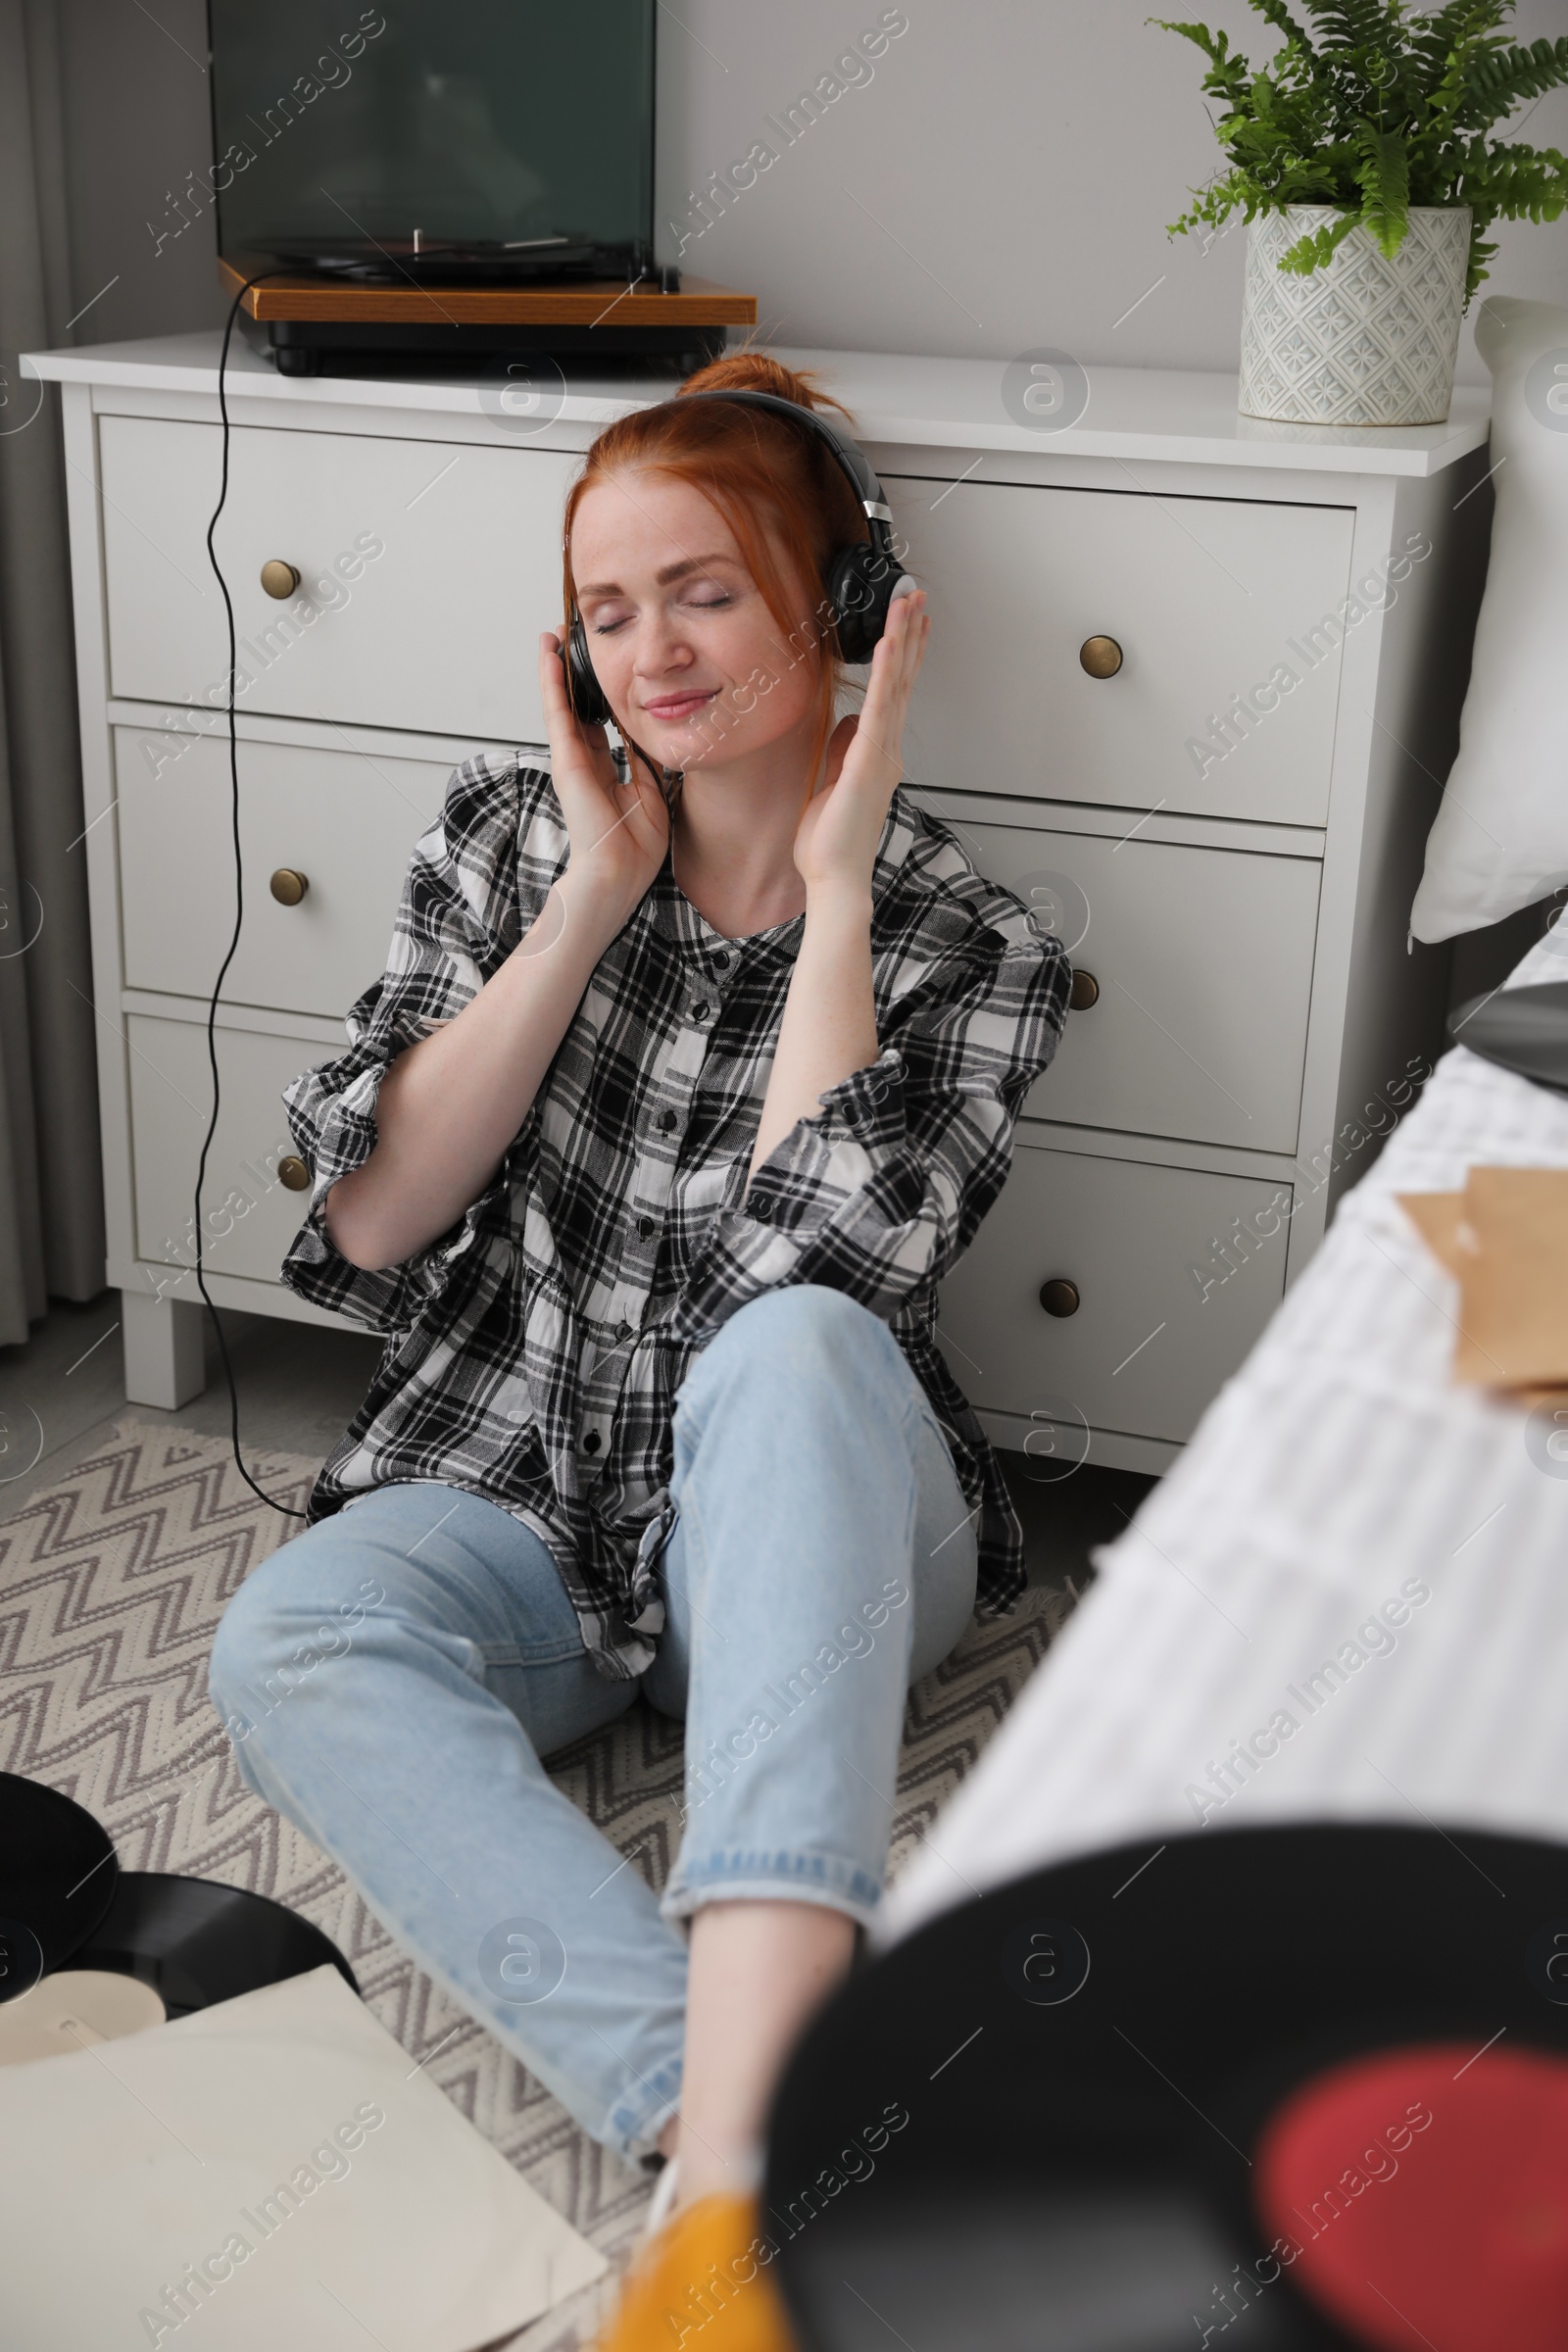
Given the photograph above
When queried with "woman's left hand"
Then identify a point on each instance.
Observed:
(836, 841)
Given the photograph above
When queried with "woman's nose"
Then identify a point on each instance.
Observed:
(660, 648)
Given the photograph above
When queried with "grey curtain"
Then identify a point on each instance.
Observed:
(51, 1193)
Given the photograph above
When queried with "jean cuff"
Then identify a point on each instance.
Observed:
(750, 1875)
(633, 2124)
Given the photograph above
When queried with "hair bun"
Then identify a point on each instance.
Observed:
(752, 371)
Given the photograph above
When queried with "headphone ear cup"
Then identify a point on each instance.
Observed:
(861, 581)
(583, 690)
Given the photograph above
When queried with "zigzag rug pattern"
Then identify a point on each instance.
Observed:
(112, 1583)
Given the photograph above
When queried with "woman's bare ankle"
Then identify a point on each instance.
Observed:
(758, 1970)
(713, 2172)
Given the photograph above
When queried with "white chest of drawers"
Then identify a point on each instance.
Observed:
(1227, 828)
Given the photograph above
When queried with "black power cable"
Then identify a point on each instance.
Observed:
(286, 1508)
(668, 784)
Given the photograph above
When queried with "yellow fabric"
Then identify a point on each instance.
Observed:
(703, 2283)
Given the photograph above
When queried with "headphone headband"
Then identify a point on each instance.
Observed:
(851, 458)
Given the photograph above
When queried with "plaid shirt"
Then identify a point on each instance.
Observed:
(535, 1349)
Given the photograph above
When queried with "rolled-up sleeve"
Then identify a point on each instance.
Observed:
(465, 902)
(880, 1190)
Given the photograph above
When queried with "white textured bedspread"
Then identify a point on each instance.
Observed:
(1349, 1599)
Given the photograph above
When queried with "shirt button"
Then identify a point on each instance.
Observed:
(623, 1331)
(700, 1009)
(591, 1441)
(721, 963)
(762, 1209)
(665, 1121)
(645, 1226)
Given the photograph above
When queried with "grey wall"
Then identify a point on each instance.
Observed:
(1002, 181)
(136, 122)
(1027, 154)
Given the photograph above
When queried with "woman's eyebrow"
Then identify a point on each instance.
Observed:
(661, 579)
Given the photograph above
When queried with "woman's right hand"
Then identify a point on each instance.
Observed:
(618, 832)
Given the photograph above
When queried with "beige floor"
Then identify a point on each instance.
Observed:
(299, 1385)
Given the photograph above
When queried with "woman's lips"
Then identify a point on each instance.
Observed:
(679, 706)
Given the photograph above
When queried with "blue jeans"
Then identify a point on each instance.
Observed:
(392, 1677)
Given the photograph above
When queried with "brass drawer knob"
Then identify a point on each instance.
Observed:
(280, 579)
(1085, 992)
(1059, 1297)
(288, 885)
(293, 1175)
(1101, 656)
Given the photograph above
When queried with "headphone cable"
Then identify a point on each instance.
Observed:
(287, 1510)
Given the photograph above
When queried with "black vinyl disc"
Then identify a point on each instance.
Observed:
(1032, 2124)
(57, 1878)
(1522, 1029)
(196, 1942)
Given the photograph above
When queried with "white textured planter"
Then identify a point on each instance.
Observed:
(1364, 340)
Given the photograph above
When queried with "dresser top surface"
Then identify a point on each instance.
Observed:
(1128, 413)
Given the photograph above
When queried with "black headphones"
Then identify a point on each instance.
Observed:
(862, 577)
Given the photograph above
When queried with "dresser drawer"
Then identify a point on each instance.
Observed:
(1204, 962)
(1146, 1351)
(427, 570)
(346, 822)
(251, 1216)
(1203, 595)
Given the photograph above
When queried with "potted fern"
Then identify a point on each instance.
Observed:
(1360, 158)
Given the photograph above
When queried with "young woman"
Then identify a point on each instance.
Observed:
(687, 1081)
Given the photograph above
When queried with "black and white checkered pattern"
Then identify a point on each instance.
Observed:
(534, 1351)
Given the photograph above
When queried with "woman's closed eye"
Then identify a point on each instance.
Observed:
(697, 594)
(710, 597)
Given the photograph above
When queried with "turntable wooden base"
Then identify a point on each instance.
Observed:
(308, 323)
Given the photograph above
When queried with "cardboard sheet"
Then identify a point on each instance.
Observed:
(1504, 1240)
(1513, 1312)
(1437, 1218)
(271, 2172)
(71, 2008)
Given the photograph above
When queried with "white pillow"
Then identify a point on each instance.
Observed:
(1501, 838)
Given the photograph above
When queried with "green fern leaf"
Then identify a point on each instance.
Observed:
(1215, 47)
(1479, 255)
(1435, 38)
(1370, 107)
(1229, 74)
(1353, 23)
(1279, 16)
(1319, 246)
(1446, 53)
(1384, 172)
(1505, 77)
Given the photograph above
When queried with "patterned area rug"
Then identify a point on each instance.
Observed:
(111, 1584)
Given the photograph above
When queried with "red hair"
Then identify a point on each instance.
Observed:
(783, 496)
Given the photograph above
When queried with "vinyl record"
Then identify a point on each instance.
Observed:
(196, 1942)
(1310, 2082)
(57, 1877)
(1522, 1029)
